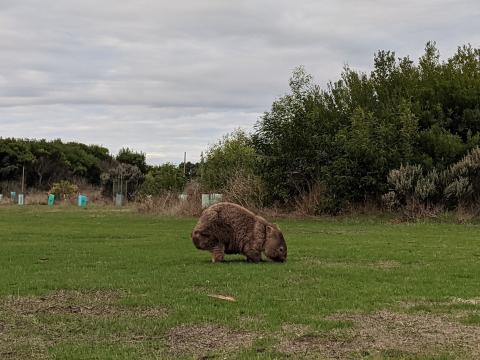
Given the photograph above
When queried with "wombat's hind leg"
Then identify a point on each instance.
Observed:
(218, 253)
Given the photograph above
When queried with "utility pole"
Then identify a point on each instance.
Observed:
(23, 178)
(185, 163)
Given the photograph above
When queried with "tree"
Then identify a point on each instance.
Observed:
(162, 179)
(138, 159)
(350, 135)
(125, 176)
(233, 153)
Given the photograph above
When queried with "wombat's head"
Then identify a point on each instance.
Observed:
(203, 239)
(275, 245)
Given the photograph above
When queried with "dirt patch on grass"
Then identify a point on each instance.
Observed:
(442, 303)
(94, 303)
(385, 264)
(474, 301)
(385, 332)
(201, 340)
(297, 330)
(380, 264)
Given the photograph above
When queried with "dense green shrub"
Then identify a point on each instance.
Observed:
(162, 179)
(352, 134)
(224, 160)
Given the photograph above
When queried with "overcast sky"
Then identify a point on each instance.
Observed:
(164, 77)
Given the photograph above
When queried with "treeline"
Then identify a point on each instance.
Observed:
(49, 162)
(343, 141)
(405, 133)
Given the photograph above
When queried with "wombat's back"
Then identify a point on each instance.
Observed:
(244, 224)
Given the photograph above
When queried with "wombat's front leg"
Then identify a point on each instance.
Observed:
(253, 255)
(218, 253)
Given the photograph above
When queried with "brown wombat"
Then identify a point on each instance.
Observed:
(226, 228)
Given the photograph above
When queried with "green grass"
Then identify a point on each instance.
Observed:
(334, 267)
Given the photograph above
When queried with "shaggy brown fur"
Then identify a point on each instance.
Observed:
(227, 228)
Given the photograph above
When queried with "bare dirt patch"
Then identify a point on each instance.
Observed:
(199, 340)
(385, 331)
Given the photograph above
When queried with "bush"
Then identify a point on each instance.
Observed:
(223, 162)
(458, 186)
(415, 193)
(464, 180)
(163, 179)
(64, 189)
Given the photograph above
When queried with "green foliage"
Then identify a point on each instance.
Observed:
(128, 156)
(351, 135)
(192, 170)
(49, 161)
(64, 189)
(225, 159)
(163, 178)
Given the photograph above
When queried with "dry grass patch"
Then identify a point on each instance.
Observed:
(385, 264)
(200, 340)
(383, 332)
(473, 301)
(297, 330)
(380, 264)
(449, 302)
(93, 303)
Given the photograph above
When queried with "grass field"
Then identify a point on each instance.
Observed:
(110, 284)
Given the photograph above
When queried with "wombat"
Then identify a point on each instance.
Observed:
(226, 228)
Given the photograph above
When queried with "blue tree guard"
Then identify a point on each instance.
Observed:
(82, 200)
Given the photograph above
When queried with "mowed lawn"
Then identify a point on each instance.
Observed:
(114, 284)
